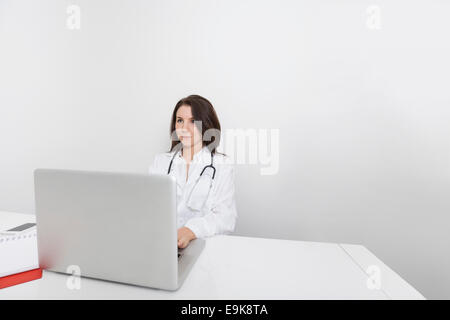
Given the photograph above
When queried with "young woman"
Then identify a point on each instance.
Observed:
(205, 178)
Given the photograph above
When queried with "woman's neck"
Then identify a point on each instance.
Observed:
(188, 153)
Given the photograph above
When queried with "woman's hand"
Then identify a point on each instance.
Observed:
(185, 235)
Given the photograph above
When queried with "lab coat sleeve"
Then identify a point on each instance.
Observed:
(220, 217)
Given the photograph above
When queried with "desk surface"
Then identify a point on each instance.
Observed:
(235, 267)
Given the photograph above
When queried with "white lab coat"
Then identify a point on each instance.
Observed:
(208, 212)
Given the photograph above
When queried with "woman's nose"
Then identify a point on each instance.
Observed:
(186, 126)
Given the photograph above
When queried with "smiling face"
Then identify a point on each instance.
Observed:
(185, 128)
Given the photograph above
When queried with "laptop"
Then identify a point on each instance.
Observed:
(118, 227)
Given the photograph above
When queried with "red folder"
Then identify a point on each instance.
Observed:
(21, 277)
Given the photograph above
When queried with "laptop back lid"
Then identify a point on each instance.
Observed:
(112, 226)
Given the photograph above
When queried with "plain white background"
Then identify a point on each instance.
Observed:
(362, 109)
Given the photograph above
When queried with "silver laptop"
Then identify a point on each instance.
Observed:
(112, 226)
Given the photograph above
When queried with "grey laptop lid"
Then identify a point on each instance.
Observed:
(113, 226)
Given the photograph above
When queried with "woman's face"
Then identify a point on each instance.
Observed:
(185, 128)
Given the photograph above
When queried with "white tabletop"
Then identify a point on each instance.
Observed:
(235, 267)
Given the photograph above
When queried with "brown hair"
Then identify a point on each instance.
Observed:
(202, 110)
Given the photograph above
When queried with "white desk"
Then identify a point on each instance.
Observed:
(234, 267)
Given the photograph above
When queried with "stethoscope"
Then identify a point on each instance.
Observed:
(196, 203)
(208, 166)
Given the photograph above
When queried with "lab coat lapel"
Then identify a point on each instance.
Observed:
(177, 162)
(199, 162)
(201, 185)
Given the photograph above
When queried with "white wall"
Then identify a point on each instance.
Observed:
(363, 113)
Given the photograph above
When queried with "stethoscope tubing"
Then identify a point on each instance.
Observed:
(208, 166)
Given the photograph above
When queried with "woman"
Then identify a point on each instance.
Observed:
(205, 178)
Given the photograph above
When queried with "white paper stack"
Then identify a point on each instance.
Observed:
(18, 253)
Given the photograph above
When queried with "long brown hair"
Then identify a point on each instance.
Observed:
(202, 110)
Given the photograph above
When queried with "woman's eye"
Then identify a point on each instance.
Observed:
(192, 121)
(179, 120)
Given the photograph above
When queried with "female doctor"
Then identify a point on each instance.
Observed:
(205, 178)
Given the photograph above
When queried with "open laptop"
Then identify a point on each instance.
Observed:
(112, 226)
